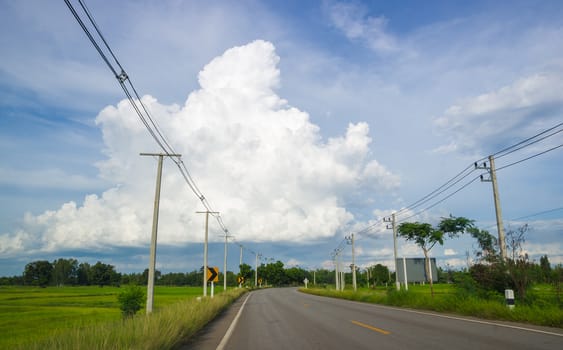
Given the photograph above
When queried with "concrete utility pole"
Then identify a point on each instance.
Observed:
(350, 240)
(394, 227)
(205, 248)
(405, 273)
(239, 265)
(225, 262)
(256, 270)
(498, 209)
(240, 260)
(336, 275)
(152, 255)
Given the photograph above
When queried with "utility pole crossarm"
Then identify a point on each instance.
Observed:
(161, 154)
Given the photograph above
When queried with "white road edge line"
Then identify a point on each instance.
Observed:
(486, 322)
(229, 332)
(459, 318)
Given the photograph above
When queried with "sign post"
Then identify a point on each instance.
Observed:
(212, 276)
(305, 281)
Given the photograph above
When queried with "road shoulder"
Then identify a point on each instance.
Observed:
(209, 337)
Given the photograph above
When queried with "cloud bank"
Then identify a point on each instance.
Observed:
(510, 113)
(262, 163)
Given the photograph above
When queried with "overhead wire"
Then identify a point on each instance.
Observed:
(529, 144)
(455, 180)
(139, 107)
(530, 157)
(156, 133)
(504, 151)
(508, 150)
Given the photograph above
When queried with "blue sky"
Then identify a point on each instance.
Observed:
(300, 121)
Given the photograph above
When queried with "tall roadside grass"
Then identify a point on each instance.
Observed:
(31, 314)
(542, 314)
(163, 329)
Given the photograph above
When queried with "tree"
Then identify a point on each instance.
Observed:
(545, 268)
(38, 273)
(84, 274)
(487, 244)
(379, 274)
(515, 239)
(246, 272)
(274, 273)
(104, 274)
(295, 275)
(65, 271)
(426, 237)
(519, 267)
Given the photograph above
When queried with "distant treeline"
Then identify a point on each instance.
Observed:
(71, 272)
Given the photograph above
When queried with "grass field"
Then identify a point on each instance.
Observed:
(32, 314)
(543, 307)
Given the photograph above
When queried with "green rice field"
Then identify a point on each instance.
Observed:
(32, 313)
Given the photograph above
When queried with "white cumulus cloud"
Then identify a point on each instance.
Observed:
(511, 113)
(260, 162)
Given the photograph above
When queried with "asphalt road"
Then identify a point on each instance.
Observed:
(287, 319)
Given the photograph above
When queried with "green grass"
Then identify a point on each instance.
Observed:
(30, 314)
(542, 308)
(165, 328)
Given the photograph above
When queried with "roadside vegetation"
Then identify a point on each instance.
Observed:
(66, 304)
(544, 311)
(89, 318)
(51, 298)
(477, 290)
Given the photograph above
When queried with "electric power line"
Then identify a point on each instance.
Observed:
(504, 151)
(138, 106)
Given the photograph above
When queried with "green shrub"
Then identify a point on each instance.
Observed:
(131, 300)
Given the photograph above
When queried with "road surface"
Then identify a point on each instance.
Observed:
(283, 318)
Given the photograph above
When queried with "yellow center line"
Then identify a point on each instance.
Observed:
(382, 331)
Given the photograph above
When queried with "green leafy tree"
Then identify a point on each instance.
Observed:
(296, 275)
(38, 273)
(426, 236)
(379, 274)
(84, 274)
(65, 271)
(103, 274)
(246, 272)
(545, 268)
(274, 273)
(131, 300)
(487, 250)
